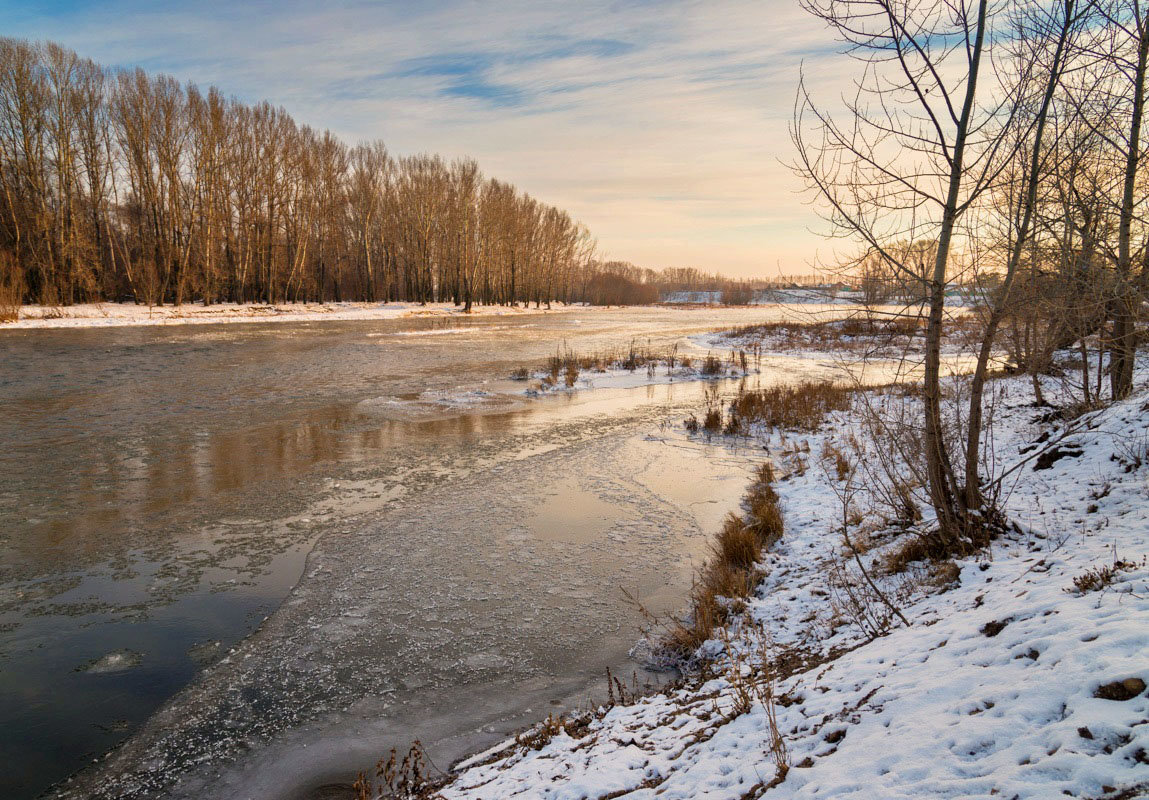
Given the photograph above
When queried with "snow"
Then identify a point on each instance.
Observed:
(767, 297)
(98, 315)
(991, 691)
(618, 378)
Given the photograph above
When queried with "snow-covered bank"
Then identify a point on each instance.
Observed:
(1022, 673)
(618, 377)
(95, 315)
(812, 295)
(852, 336)
(806, 296)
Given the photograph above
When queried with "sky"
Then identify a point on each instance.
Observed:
(663, 126)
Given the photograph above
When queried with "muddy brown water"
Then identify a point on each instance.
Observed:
(246, 560)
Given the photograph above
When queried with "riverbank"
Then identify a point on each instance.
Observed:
(102, 315)
(1019, 671)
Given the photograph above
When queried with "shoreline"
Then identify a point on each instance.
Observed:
(118, 315)
(752, 713)
(128, 314)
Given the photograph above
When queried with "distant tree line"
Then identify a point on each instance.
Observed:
(115, 184)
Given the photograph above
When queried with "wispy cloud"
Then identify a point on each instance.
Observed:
(662, 125)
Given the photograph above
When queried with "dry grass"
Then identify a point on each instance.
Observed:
(567, 364)
(801, 406)
(539, 736)
(730, 574)
(918, 548)
(855, 333)
(832, 333)
(1098, 578)
(737, 544)
(933, 547)
(409, 778)
(712, 365)
(712, 421)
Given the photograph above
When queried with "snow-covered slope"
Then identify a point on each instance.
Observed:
(1010, 681)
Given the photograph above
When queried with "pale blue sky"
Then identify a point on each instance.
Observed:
(661, 125)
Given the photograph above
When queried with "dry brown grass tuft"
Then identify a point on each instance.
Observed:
(932, 547)
(732, 570)
(712, 422)
(712, 365)
(796, 407)
(917, 548)
(1098, 578)
(409, 778)
(737, 543)
(766, 472)
(540, 735)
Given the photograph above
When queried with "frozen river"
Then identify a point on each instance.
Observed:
(436, 556)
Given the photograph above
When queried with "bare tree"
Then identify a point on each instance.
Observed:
(918, 147)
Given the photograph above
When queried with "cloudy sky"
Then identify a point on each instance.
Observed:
(661, 125)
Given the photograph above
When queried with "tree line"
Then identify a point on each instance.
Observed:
(1000, 145)
(116, 184)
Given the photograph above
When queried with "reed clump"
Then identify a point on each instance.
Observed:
(801, 406)
(836, 332)
(732, 571)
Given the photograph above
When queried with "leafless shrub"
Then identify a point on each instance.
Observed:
(853, 598)
(1098, 578)
(395, 779)
(847, 488)
(752, 680)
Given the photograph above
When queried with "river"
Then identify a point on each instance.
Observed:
(249, 559)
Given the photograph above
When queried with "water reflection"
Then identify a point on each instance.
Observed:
(162, 487)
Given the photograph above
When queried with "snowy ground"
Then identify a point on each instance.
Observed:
(95, 315)
(799, 338)
(621, 378)
(796, 296)
(1008, 681)
(802, 296)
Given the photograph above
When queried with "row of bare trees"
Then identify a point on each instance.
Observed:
(118, 184)
(996, 144)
